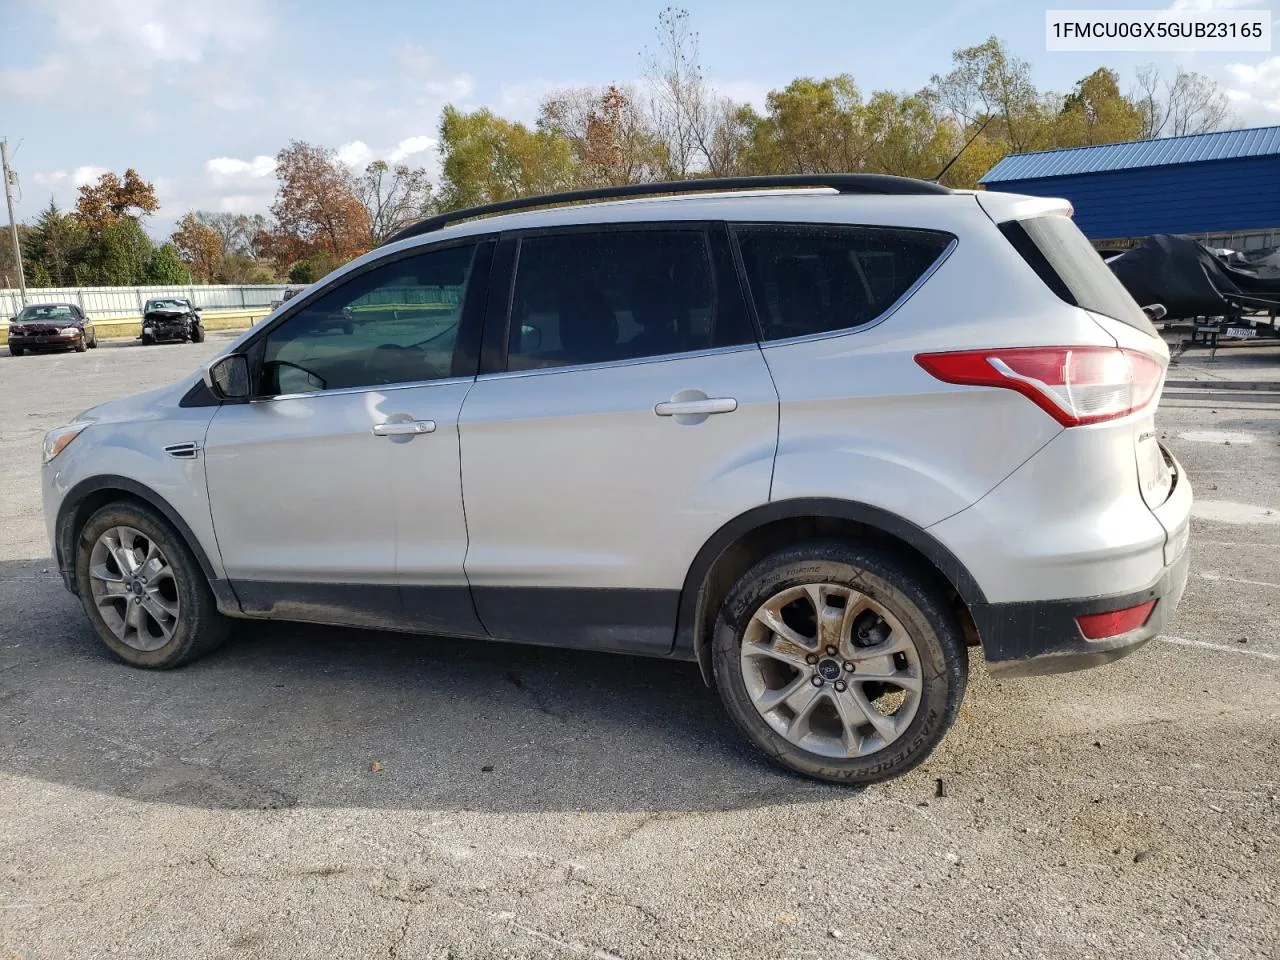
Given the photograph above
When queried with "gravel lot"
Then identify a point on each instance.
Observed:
(532, 803)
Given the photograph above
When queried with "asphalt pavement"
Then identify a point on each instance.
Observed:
(309, 792)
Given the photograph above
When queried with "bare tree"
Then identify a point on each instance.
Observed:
(1189, 103)
(395, 196)
(685, 110)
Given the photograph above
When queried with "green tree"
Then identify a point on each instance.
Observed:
(811, 126)
(53, 248)
(488, 159)
(988, 82)
(116, 256)
(165, 267)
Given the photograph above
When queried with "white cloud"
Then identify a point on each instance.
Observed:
(119, 46)
(230, 169)
(409, 147)
(1254, 91)
(355, 154)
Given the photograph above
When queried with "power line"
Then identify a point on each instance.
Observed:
(10, 178)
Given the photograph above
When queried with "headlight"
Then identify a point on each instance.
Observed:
(58, 439)
(69, 332)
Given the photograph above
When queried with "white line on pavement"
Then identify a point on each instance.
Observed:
(1210, 575)
(1184, 642)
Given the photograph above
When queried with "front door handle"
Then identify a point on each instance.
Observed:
(696, 408)
(404, 428)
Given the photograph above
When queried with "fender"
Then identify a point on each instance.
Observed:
(65, 546)
(688, 645)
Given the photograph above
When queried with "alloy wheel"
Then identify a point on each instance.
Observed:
(134, 588)
(831, 670)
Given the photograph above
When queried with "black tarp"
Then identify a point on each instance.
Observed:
(1189, 280)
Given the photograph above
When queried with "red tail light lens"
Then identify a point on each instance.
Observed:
(1099, 626)
(1074, 385)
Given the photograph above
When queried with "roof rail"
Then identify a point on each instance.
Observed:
(840, 182)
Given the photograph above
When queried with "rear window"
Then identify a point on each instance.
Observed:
(1056, 249)
(819, 278)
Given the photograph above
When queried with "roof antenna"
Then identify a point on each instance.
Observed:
(968, 142)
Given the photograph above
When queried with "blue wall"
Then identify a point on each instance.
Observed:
(1221, 195)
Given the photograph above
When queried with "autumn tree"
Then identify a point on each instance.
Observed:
(199, 246)
(488, 159)
(988, 82)
(612, 140)
(317, 212)
(394, 196)
(1096, 112)
(811, 126)
(112, 198)
(1189, 103)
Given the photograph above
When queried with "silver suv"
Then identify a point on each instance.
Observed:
(820, 439)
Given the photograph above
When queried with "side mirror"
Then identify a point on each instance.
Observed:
(1155, 311)
(228, 377)
(198, 309)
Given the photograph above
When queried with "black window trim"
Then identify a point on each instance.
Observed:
(875, 321)
(498, 322)
(466, 347)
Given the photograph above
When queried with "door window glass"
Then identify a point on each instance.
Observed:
(815, 279)
(614, 295)
(396, 323)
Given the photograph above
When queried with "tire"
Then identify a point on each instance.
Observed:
(148, 339)
(93, 342)
(836, 746)
(15, 351)
(81, 345)
(197, 334)
(196, 627)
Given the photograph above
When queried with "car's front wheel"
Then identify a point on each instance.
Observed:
(82, 344)
(839, 661)
(197, 333)
(143, 589)
(15, 351)
(148, 339)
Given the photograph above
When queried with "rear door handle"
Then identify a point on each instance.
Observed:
(404, 428)
(696, 408)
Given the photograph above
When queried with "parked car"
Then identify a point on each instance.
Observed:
(171, 318)
(820, 442)
(51, 326)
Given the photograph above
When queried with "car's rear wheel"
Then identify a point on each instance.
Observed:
(839, 661)
(143, 590)
(93, 341)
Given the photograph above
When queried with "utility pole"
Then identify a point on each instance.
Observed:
(9, 177)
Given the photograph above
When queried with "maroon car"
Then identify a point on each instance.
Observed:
(51, 326)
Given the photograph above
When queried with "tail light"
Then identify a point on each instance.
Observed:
(1099, 626)
(1074, 385)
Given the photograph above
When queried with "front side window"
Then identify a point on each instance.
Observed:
(820, 278)
(613, 295)
(395, 323)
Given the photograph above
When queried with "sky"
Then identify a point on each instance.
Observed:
(200, 96)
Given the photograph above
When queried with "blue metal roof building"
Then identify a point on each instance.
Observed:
(1224, 184)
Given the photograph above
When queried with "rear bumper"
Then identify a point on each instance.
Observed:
(1042, 637)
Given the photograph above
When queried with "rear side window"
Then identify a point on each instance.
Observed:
(616, 295)
(816, 279)
(1056, 249)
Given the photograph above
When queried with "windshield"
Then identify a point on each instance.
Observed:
(48, 313)
(169, 304)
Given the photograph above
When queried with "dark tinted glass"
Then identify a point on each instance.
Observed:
(815, 279)
(396, 323)
(615, 295)
(1070, 266)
